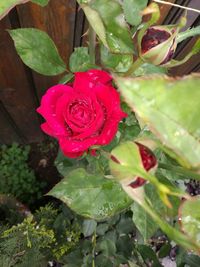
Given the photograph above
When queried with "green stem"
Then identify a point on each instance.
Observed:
(92, 44)
(189, 33)
(181, 171)
(93, 248)
(172, 233)
(134, 67)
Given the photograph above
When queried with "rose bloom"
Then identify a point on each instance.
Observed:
(84, 114)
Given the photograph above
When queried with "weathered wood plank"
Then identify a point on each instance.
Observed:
(8, 133)
(14, 87)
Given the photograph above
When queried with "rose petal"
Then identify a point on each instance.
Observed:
(48, 107)
(85, 81)
(109, 97)
(72, 155)
(47, 129)
(109, 131)
(76, 146)
(99, 76)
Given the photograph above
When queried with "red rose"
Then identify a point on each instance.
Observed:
(84, 114)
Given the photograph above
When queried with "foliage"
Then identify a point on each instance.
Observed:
(16, 178)
(80, 60)
(46, 236)
(24, 241)
(108, 243)
(95, 196)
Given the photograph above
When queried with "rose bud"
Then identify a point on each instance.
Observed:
(120, 156)
(149, 161)
(158, 44)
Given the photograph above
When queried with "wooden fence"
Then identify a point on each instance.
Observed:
(22, 88)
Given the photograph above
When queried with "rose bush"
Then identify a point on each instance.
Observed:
(84, 114)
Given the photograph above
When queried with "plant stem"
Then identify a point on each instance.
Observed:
(92, 44)
(134, 67)
(93, 248)
(181, 171)
(189, 33)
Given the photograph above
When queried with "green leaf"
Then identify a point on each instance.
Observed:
(148, 254)
(80, 60)
(125, 225)
(7, 5)
(132, 10)
(170, 108)
(142, 219)
(144, 223)
(64, 165)
(38, 51)
(118, 37)
(96, 22)
(192, 260)
(67, 78)
(40, 2)
(190, 218)
(91, 195)
(116, 62)
(102, 228)
(124, 245)
(164, 250)
(107, 247)
(89, 227)
(147, 68)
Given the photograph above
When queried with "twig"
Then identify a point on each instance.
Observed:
(92, 44)
(171, 4)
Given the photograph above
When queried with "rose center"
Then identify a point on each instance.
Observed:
(80, 113)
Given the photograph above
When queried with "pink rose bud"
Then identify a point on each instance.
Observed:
(158, 45)
(149, 161)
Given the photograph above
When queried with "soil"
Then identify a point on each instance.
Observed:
(41, 160)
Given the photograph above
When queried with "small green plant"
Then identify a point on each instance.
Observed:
(16, 178)
(23, 242)
(46, 236)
